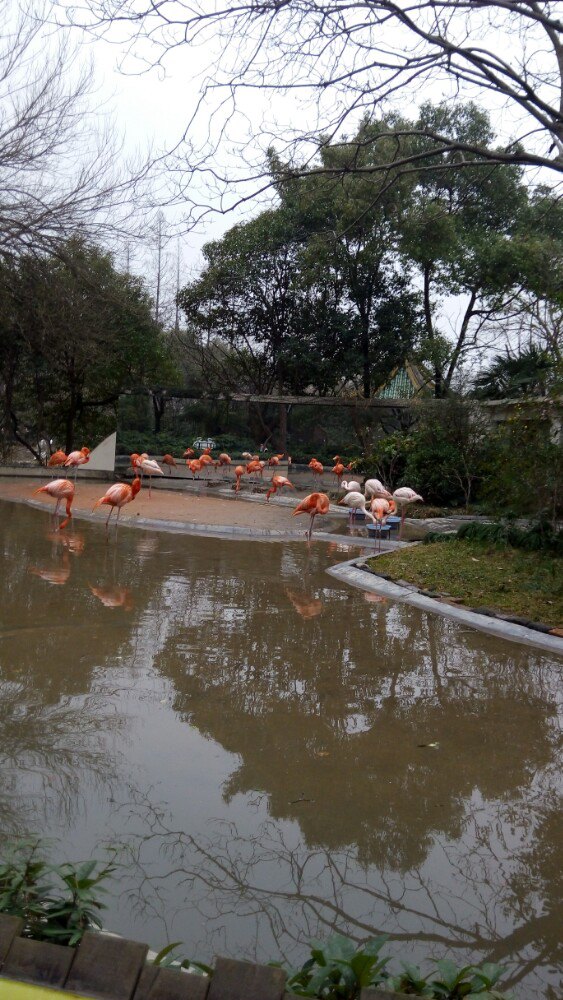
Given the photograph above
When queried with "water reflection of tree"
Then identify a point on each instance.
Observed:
(331, 710)
(58, 718)
(287, 893)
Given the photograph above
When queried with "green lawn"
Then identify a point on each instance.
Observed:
(529, 584)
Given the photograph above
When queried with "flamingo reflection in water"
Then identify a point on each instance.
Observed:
(114, 596)
(305, 605)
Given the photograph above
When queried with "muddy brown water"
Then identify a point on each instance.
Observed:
(253, 737)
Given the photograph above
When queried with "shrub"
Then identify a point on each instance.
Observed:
(56, 902)
(524, 470)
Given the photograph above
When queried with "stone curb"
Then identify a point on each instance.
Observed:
(211, 530)
(352, 572)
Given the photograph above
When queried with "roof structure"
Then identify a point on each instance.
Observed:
(406, 382)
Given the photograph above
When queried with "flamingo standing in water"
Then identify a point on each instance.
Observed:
(315, 503)
(355, 501)
(170, 461)
(381, 509)
(117, 496)
(189, 453)
(60, 489)
(224, 459)
(278, 483)
(77, 458)
(403, 497)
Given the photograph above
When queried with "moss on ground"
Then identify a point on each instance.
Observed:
(527, 584)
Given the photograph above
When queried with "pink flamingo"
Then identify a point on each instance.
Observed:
(239, 472)
(195, 467)
(77, 458)
(117, 496)
(170, 461)
(315, 503)
(381, 509)
(278, 483)
(60, 489)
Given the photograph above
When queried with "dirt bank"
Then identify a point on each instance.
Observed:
(168, 506)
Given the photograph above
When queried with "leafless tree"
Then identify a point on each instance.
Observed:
(62, 168)
(340, 60)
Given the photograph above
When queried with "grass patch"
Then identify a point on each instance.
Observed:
(528, 584)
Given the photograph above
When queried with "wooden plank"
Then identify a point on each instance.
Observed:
(38, 962)
(246, 397)
(10, 927)
(147, 979)
(170, 984)
(234, 980)
(107, 968)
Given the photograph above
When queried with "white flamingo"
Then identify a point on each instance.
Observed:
(351, 487)
(356, 501)
(403, 497)
(375, 489)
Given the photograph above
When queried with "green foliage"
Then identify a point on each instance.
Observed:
(541, 537)
(442, 456)
(74, 334)
(339, 970)
(388, 459)
(166, 959)
(56, 902)
(530, 372)
(523, 474)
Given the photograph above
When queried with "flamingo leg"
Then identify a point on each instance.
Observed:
(108, 517)
(117, 518)
(150, 484)
(403, 515)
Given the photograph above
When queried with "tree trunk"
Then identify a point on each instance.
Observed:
(366, 358)
(428, 322)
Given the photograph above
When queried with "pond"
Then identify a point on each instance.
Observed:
(276, 755)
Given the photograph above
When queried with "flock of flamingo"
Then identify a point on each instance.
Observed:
(375, 502)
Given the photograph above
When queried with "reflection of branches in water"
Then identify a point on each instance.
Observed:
(45, 752)
(462, 902)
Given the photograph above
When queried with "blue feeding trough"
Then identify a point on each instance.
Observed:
(393, 522)
(374, 529)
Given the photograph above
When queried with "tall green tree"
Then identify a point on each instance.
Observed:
(77, 334)
(479, 234)
(353, 228)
